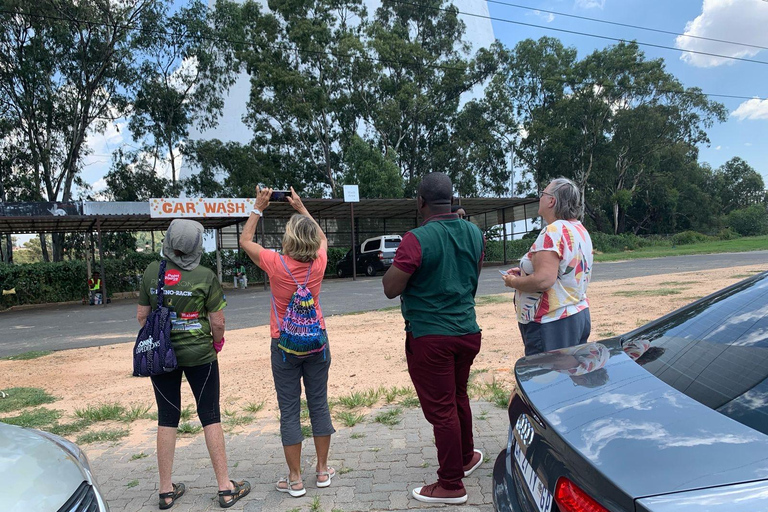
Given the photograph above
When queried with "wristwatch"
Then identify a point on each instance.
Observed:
(257, 212)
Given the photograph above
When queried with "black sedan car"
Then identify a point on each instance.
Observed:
(670, 417)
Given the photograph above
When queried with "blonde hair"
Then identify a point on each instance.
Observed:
(302, 239)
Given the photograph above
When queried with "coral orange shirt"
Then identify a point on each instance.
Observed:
(283, 287)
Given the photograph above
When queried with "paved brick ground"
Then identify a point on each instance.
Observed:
(377, 465)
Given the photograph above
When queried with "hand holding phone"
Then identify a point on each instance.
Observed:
(280, 196)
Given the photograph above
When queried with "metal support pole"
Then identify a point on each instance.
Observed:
(504, 237)
(218, 256)
(101, 264)
(88, 245)
(354, 256)
(153, 240)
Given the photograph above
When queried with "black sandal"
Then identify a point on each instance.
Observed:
(178, 492)
(241, 490)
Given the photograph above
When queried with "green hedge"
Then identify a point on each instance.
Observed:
(39, 283)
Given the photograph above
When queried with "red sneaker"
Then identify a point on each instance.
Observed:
(477, 460)
(436, 494)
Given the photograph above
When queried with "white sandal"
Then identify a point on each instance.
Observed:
(330, 474)
(296, 493)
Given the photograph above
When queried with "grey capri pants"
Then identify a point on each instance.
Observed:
(288, 370)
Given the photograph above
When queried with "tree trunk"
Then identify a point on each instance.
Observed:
(44, 248)
(58, 246)
(9, 249)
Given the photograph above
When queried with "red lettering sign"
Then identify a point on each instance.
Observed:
(172, 277)
(190, 316)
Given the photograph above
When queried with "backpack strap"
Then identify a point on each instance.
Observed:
(309, 271)
(160, 283)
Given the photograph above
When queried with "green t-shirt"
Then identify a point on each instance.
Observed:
(190, 295)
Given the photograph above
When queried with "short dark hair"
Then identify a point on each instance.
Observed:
(436, 189)
(456, 208)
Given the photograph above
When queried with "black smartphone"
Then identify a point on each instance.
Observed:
(280, 195)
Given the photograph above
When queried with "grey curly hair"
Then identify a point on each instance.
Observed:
(567, 196)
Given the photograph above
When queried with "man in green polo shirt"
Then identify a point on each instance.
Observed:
(435, 272)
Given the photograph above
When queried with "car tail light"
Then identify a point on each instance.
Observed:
(381, 255)
(570, 498)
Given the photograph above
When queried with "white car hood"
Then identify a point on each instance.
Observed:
(35, 473)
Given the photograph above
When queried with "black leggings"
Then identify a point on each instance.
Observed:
(204, 381)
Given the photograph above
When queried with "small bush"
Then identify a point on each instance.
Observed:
(750, 221)
(104, 412)
(689, 237)
(37, 418)
(102, 435)
(727, 234)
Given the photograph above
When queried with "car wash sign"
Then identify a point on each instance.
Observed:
(196, 207)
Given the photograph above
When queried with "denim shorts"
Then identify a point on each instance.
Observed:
(565, 332)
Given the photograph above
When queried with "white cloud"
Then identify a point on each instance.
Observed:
(752, 109)
(590, 4)
(546, 16)
(99, 185)
(718, 148)
(748, 144)
(741, 21)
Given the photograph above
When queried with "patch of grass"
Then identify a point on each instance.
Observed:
(359, 399)
(186, 413)
(389, 308)
(304, 415)
(350, 419)
(25, 356)
(236, 421)
(492, 299)
(13, 399)
(678, 283)
(102, 435)
(482, 416)
(67, 429)
(357, 435)
(486, 459)
(374, 450)
(410, 401)
(315, 506)
(254, 407)
(345, 470)
(743, 244)
(494, 392)
(136, 412)
(607, 334)
(659, 292)
(741, 276)
(132, 483)
(294, 509)
(306, 431)
(103, 412)
(36, 418)
(391, 417)
(477, 371)
(188, 428)
(425, 464)
(137, 456)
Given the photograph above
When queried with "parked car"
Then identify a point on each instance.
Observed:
(373, 255)
(672, 416)
(45, 473)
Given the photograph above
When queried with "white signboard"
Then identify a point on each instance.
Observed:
(200, 207)
(351, 194)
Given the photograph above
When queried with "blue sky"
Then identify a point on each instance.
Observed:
(744, 21)
(732, 20)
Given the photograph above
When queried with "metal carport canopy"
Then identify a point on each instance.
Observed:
(134, 216)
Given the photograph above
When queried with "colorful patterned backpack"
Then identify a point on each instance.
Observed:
(300, 330)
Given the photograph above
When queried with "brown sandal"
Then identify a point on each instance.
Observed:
(241, 490)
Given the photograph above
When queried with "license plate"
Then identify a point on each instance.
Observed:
(541, 496)
(388, 260)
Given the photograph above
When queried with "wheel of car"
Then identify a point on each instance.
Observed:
(340, 272)
(370, 270)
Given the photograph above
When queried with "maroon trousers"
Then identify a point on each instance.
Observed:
(439, 368)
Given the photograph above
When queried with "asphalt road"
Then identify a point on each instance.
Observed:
(59, 327)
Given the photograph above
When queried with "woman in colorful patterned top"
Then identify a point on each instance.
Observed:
(551, 282)
(304, 258)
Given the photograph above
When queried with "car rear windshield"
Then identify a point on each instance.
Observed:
(716, 351)
(391, 244)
